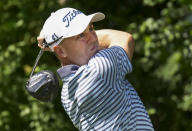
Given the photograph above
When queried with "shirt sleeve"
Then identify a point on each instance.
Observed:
(104, 71)
(112, 63)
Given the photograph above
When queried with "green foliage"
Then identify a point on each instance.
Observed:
(162, 60)
(163, 46)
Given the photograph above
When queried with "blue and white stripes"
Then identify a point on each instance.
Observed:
(97, 97)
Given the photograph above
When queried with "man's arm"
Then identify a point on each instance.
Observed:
(108, 38)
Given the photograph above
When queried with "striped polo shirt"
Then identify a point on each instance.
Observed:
(98, 97)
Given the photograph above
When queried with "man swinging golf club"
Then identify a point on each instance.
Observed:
(95, 93)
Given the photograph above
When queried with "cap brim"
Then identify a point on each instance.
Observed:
(82, 25)
(97, 17)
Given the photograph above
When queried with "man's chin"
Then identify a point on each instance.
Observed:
(95, 51)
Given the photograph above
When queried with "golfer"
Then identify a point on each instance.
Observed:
(95, 93)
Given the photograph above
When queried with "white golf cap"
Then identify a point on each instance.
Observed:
(66, 22)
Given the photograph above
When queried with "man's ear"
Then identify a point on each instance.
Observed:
(59, 51)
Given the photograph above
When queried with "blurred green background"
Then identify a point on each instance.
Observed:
(162, 60)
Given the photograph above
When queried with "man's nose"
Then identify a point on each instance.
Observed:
(90, 37)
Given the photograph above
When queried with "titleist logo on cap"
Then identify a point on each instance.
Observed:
(70, 16)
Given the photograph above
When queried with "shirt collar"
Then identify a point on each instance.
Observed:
(67, 70)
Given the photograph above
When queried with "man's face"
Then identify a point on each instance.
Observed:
(79, 49)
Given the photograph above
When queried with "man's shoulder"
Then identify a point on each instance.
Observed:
(67, 70)
(107, 54)
(112, 49)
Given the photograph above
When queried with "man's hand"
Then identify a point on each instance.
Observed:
(40, 43)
